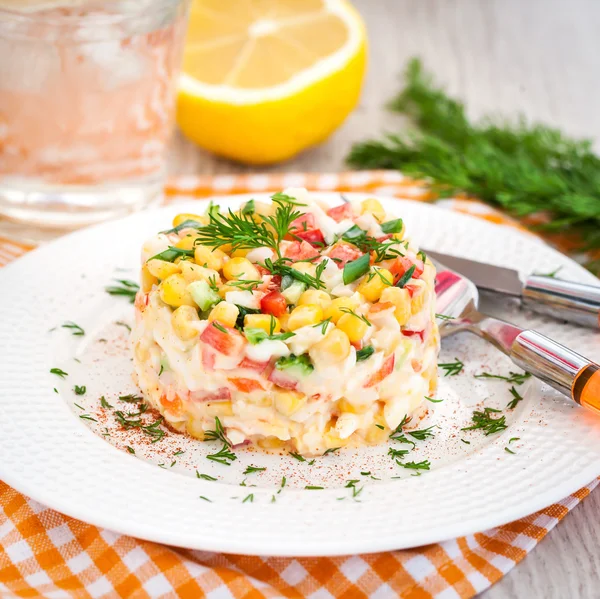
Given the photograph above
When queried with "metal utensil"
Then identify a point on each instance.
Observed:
(560, 299)
(566, 371)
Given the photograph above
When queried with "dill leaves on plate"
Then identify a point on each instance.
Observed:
(526, 169)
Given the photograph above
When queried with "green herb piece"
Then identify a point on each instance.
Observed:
(180, 452)
(397, 453)
(331, 450)
(104, 403)
(172, 253)
(433, 400)
(255, 336)
(273, 499)
(131, 398)
(364, 353)
(79, 390)
(444, 317)
(55, 390)
(123, 324)
(313, 488)
(134, 420)
(205, 476)
(424, 465)
(87, 417)
(351, 484)
(186, 224)
(58, 372)
(218, 434)
(251, 469)
(224, 456)
(204, 498)
(392, 226)
(281, 197)
(398, 430)
(297, 456)
(75, 328)
(514, 377)
(220, 327)
(514, 439)
(551, 274)
(509, 450)
(354, 234)
(452, 368)
(78, 406)
(406, 277)
(249, 498)
(524, 169)
(323, 324)
(301, 364)
(380, 426)
(312, 462)
(279, 267)
(421, 435)
(422, 255)
(359, 316)
(130, 450)
(356, 268)
(245, 284)
(517, 397)
(125, 288)
(249, 207)
(466, 442)
(162, 367)
(486, 422)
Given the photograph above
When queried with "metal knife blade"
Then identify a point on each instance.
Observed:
(485, 276)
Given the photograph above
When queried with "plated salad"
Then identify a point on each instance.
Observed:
(286, 324)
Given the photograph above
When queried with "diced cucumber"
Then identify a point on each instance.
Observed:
(299, 365)
(293, 292)
(203, 295)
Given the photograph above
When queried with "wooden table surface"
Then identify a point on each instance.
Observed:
(538, 57)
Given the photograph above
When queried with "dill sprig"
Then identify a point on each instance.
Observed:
(452, 368)
(514, 377)
(424, 465)
(517, 397)
(125, 288)
(75, 328)
(224, 456)
(486, 422)
(526, 169)
(218, 434)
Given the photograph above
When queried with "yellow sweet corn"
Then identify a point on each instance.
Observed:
(219, 408)
(376, 435)
(204, 256)
(283, 321)
(194, 272)
(305, 315)
(162, 269)
(187, 241)
(270, 443)
(240, 268)
(334, 311)
(333, 348)
(147, 279)
(401, 300)
(182, 319)
(181, 218)
(374, 207)
(240, 253)
(225, 289)
(418, 301)
(268, 323)
(194, 428)
(345, 406)
(315, 296)
(305, 267)
(287, 402)
(173, 291)
(374, 283)
(225, 313)
(353, 326)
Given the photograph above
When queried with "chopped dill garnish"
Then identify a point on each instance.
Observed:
(58, 372)
(224, 456)
(486, 422)
(125, 288)
(75, 328)
(104, 403)
(516, 378)
(249, 498)
(251, 469)
(205, 476)
(452, 368)
(79, 389)
(424, 465)
(517, 397)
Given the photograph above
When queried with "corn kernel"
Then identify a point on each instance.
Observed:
(162, 269)
(332, 439)
(260, 401)
(225, 313)
(345, 406)
(418, 301)
(374, 207)
(240, 268)
(173, 291)
(270, 443)
(240, 252)
(182, 319)
(315, 296)
(283, 321)
(376, 435)
(334, 311)
(305, 315)
(211, 258)
(401, 300)
(193, 272)
(194, 428)
(268, 323)
(223, 291)
(219, 408)
(264, 209)
(287, 402)
(333, 348)
(181, 218)
(305, 268)
(187, 242)
(374, 283)
(147, 279)
(353, 326)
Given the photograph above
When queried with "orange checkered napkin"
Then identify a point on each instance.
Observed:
(43, 553)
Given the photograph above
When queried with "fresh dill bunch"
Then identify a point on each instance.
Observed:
(525, 169)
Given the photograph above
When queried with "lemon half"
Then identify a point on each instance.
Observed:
(264, 79)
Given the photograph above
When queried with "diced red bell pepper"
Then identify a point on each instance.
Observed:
(305, 222)
(341, 253)
(273, 303)
(223, 339)
(313, 236)
(402, 264)
(420, 334)
(282, 379)
(385, 370)
(340, 213)
(246, 385)
(412, 289)
(259, 367)
(300, 250)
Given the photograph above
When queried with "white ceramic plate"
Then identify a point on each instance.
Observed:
(82, 467)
